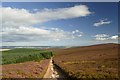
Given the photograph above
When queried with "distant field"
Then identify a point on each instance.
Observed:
(97, 61)
(24, 54)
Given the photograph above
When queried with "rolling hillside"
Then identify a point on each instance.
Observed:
(96, 61)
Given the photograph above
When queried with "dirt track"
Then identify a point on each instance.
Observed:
(53, 72)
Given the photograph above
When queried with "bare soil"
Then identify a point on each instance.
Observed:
(53, 72)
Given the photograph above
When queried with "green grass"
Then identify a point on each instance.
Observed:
(24, 54)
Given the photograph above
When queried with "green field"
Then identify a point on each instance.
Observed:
(24, 54)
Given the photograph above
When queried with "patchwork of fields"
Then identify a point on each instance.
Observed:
(98, 61)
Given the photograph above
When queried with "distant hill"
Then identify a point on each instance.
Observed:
(95, 61)
(88, 48)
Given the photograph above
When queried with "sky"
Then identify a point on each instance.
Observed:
(59, 23)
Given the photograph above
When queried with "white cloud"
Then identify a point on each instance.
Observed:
(77, 33)
(101, 22)
(114, 37)
(17, 24)
(36, 34)
(14, 16)
(24, 30)
(103, 37)
(63, 13)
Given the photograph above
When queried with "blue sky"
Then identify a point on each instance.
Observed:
(59, 23)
